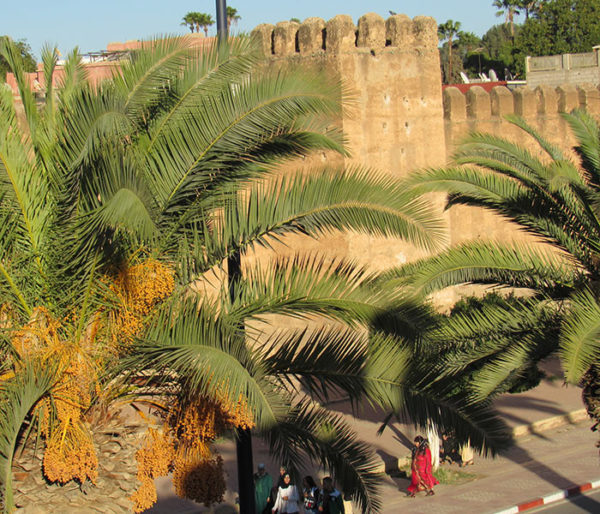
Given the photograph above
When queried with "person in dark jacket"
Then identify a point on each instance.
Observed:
(331, 499)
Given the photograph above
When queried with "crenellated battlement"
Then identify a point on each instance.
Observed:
(478, 104)
(340, 35)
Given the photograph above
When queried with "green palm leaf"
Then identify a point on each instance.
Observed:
(580, 336)
(490, 263)
(586, 131)
(17, 398)
(202, 353)
(304, 286)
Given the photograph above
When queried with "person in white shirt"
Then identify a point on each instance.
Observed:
(287, 497)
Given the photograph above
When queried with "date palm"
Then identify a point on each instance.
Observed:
(232, 17)
(553, 198)
(448, 31)
(203, 21)
(189, 21)
(177, 159)
(509, 9)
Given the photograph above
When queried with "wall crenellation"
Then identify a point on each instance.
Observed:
(478, 104)
(341, 35)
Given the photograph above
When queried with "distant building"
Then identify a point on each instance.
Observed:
(556, 70)
(99, 65)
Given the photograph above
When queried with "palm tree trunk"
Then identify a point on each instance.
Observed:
(450, 60)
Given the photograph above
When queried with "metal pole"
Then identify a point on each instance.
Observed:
(234, 275)
(243, 437)
(222, 19)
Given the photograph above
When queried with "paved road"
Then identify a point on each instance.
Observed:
(576, 505)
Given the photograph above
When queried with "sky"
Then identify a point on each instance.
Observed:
(91, 25)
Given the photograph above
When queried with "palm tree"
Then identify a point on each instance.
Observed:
(531, 7)
(118, 201)
(509, 9)
(448, 31)
(203, 21)
(554, 199)
(189, 21)
(232, 17)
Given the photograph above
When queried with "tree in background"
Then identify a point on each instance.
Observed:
(29, 63)
(500, 51)
(531, 7)
(204, 20)
(469, 51)
(189, 21)
(198, 20)
(509, 9)
(561, 26)
(447, 32)
(232, 17)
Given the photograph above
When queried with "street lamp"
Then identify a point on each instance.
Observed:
(234, 274)
(222, 19)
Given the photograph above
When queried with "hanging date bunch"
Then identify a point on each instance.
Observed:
(69, 453)
(154, 460)
(189, 431)
(138, 289)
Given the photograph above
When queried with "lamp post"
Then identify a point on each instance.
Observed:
(234, 275)
(222, 19)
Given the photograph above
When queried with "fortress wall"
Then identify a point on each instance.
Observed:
(480, 111)
(394, 122)
(392, 68)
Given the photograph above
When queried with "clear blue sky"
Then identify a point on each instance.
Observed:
(92, 24)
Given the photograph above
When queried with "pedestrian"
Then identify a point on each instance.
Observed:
(331, 501)
(422, 478)
(287, 497)
(275, 488)
(310, 492)
(449, 449)
(263, 483)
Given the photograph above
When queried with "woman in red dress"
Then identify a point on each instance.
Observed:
(422, 478)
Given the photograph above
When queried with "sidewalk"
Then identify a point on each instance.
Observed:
(537, 466)
(550, 458)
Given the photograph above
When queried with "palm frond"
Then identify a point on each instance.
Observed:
(585, 128)
(17, 398)
(553, 151)
(501, 155)
(423, 401)
(308, 285)
(488, 263)
(204, 355)
(331, 199)
(232, 127)
(12, 55)
(333, 360)
(49, 61)
(142, 79)
(580, 336)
